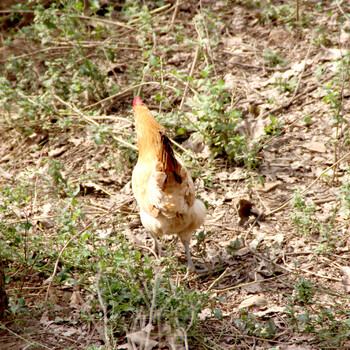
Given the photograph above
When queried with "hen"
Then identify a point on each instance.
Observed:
(162, 185)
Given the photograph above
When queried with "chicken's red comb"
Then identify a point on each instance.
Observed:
(137, 101)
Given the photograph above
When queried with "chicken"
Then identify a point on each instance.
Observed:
(162, 185)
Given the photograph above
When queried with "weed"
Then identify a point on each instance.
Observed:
(306, 314)
(272, 59)
(304, 216)
(287, 85)
(346, 197)
(233, 246)
(218, 123)
(132, 284)
(249, 325)
(275, 128)
(303, 293)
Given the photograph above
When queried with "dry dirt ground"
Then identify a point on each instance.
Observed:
(285, 260)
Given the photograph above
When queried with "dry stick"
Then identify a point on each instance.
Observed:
(82, 302)
(176, 10)
(124, 92)
(207, 44)
(246, 284)
(114, 23)
(301, 74)
(297, 11)
(277, 109)
(64, 248)
(31, 342)
(293, 123)
(77, 111)
(159, 9)
(190, 75)
(257, 254)
(143, 78)
(151, 311)
(37, 52)
(292, 98)
(288, 268)
(339, 111)
(66, 47)
(35, 193)
(312, 183)
(92, 121)
(236, 64)
(314, 273)
(342, 11)
(217, 280)
(103, 306)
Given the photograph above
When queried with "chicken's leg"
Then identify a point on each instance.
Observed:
(190, 265)
(156, 247)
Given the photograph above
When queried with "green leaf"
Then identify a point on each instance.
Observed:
(49, 24)
(79, 6)
(217, 313)
(153, 60)
(221, 83)
(159, 98)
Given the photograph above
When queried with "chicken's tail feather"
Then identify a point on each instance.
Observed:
(167, 158)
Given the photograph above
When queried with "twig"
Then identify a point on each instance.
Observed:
(217, 280)
(207, 43)
(103, 306)
(297, 11)
(339, 112)
(243, 65)
(125, 92)
(176, 10)
(151, 311)
(315, 274)
(114, 23)
(301, 74)
(34, 343)
(190, 75)
(35, 193)
(342, 11)
(91, 121)
(159, 9)
(246, 284)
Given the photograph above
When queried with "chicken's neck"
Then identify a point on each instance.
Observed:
(148, 139)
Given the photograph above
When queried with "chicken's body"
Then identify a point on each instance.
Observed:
(162, 186)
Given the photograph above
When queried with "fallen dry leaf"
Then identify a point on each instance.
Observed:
(315, 146)
(268, 186)
(346, 278)
(269, 311)
(204, 314)
(75, 300)
(56, 152)
(142, 339)
(255, 300)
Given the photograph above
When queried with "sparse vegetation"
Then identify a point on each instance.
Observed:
(255, 97)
